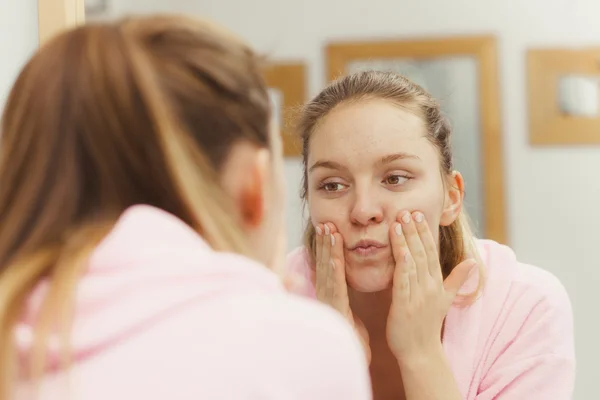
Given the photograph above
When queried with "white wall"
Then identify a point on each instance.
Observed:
(18, 40)
(552, 193)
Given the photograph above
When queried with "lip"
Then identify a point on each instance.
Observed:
(367, 247)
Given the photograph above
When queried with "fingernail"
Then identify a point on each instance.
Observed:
(406, 256)
(319, 231)
(327, 231)
(398, 229)
(332, 264)
(332, 240)
(406, 218)
(419, 217)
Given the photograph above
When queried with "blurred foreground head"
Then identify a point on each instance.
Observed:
(165, 111)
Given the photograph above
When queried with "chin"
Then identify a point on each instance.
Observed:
(370, 278)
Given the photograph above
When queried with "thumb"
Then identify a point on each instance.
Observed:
(337, 259)
(459, 276)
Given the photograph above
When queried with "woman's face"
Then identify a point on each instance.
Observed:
(367, 161)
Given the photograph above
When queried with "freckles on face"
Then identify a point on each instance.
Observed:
(338, 210)
(367, 162)
(331, 211)
(374, 157)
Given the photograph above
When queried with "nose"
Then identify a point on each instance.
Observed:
(366, 210)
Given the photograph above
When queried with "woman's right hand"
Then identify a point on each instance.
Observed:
(331, 287)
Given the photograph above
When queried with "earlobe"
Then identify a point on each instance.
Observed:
(252, 196)
(455, 189)
(244, 178)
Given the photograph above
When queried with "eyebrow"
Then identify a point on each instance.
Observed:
(397, 156)
(384, 160)
(326, 165)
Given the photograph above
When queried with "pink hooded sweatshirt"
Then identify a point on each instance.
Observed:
(160, 315)
(515, 342)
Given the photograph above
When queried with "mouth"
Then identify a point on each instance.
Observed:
(367, 247)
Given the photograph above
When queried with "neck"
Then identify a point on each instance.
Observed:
(371, 308)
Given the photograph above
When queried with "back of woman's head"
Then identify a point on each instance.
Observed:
(107, 116)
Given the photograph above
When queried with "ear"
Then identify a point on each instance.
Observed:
(253, 189)
(244, 178)
(453, 199)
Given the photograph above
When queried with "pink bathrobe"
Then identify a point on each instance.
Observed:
(515, 342)
(159, 315)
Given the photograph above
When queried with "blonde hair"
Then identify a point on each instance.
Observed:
(103, 117)
(456, 240)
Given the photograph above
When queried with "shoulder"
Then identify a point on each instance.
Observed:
(524, 304)
(270, 343)
(312, 324)
(305, 349)
(512, 279)
(525, 323)
(281, 315)
(298, 259)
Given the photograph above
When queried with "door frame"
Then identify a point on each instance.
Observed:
(54, 16)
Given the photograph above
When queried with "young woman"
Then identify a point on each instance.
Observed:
(441, 315)
(137, 167)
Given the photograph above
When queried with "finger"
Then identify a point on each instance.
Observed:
(401, 280)
(413, 241)
(338, 272)
(332, 228)
(398, 241)
(326, 247)
(458, 277)
(320, 269)
(319, 248)
(337, 256)
(413, 281)
(431, 252)
(326, 264)
(318, 242)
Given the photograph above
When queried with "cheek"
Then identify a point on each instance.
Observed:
(327, 210)
(429, 202)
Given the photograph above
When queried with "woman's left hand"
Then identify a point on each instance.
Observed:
(421, 297)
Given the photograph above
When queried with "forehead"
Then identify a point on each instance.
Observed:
(368, 130)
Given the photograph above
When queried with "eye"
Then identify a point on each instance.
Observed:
(396, 179)
(332, 186)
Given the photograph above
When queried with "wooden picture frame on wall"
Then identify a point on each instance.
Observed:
(287, 81)
(55, 16)
(483, 50)
(549, 122)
